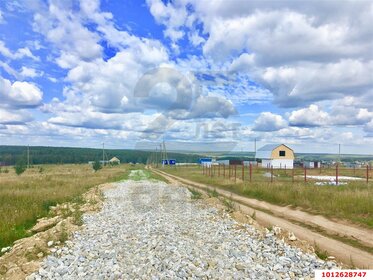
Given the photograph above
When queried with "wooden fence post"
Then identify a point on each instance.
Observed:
(271, 173)
(336, 174)
(367, 174)
(235, 173)
(251, 171)
(292, 175)
(305, 174)
(243, 172)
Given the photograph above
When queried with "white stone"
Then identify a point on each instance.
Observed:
(277, 230)
(292, 237)
(5, 249)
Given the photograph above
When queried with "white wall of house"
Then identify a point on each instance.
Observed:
(266, 163)
(281, 163)
(278, 163)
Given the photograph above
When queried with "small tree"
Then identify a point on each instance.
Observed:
(20, 167)
(96, 165)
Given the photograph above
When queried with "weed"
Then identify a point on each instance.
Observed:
(229, 204)
(78, 199)
(213, 193)
(20, 167)
(253, 215)
(195, 194)
(32, 254)
(63, 236)
(48, 203)
(322, 254)
(96, 166)
(78, 217)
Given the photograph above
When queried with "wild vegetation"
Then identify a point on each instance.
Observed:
(352, 202)
(25, 198)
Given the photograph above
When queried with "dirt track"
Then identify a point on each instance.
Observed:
(283, 217)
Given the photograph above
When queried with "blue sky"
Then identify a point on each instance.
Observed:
(198, 74)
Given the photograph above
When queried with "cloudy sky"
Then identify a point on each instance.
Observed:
(198, 74)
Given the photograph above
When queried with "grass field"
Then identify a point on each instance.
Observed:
(25, 198)
(352, 202)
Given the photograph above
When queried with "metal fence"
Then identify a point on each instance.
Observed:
(251, 173)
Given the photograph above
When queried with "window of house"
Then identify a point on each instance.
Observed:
(282, 153)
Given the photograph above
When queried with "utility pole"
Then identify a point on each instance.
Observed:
(28, 156)
(165, 151)
(339, 152)
(156, 157)
(161, 154)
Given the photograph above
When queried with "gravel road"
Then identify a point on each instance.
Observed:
(151, 230)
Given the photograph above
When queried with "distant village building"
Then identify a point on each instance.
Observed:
(207, 162)
(114, 161)
(311, 164)
(223, 161)
(276, 155)
(168, 161)
(236, 162)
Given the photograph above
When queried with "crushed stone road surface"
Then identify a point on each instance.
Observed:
(151, 230)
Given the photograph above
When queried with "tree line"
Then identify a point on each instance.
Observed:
(10, 155)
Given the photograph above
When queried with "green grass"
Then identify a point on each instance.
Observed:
(229, 204)
(25, 198)
(322, 254)
(352, 202)
(212, 193)
(137, 172)
(195, 194)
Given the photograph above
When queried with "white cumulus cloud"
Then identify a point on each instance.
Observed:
(268, 121)
(311, 116)
(19, 94)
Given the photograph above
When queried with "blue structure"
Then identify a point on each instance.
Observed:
(205, 160)
(172, 161)
(164, 162)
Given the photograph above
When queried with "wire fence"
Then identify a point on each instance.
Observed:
(254, 173)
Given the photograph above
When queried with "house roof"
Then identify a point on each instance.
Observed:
(265, 152)
(114, 159)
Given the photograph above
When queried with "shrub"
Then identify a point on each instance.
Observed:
(20, 167)
(96, 165)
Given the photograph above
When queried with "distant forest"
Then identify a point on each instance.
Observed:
(9, 155)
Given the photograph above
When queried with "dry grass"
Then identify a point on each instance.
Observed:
(25, 198)
(352, 202)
